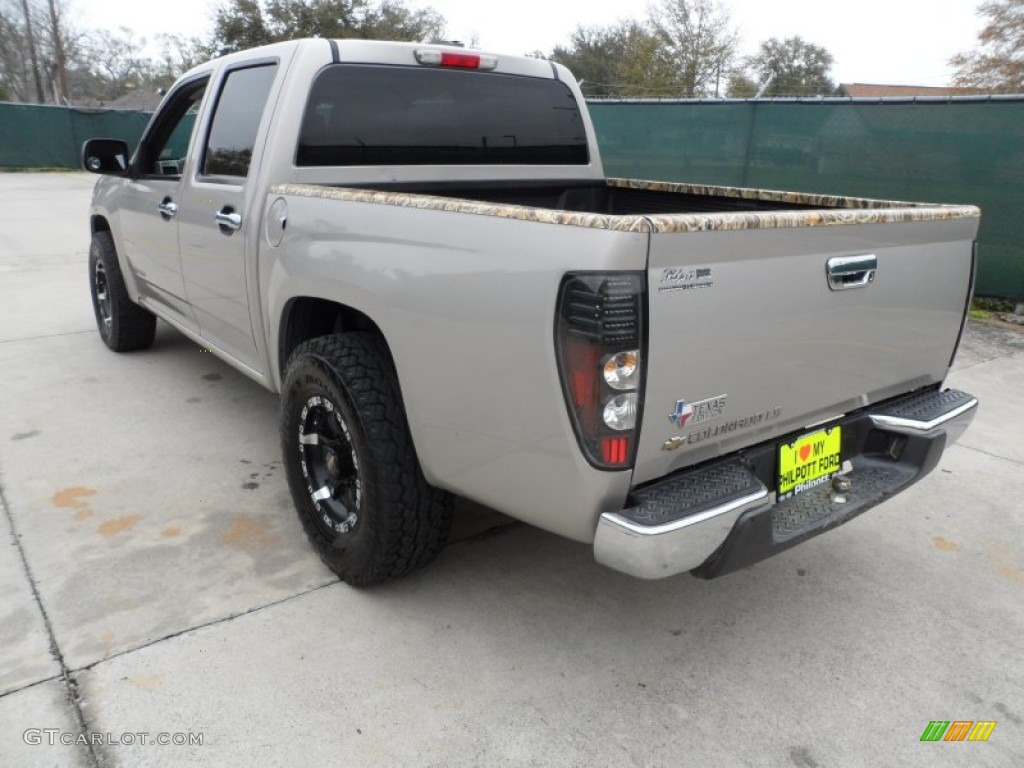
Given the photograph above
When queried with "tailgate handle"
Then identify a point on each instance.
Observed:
(846, 272)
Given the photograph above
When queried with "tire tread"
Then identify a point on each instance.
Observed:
(413, 519)
(132, 327)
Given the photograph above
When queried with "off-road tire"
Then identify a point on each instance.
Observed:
(124, 326)
(401, 521)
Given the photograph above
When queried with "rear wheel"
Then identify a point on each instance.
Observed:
(351, 465)
(123, 325)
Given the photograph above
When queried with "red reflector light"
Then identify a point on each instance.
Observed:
(432, 57)
(464, 60)
(583, 360)
(615, 450)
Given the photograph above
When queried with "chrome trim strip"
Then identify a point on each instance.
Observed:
(828, 420)
(686, 522)
(896, 422)
(655, 552)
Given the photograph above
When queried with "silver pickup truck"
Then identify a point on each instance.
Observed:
(417, 247)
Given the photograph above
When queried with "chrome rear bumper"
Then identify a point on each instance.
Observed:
(952, 413)
(655, 552)
(720, 517)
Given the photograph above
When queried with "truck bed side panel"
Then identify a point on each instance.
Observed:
(466, 303)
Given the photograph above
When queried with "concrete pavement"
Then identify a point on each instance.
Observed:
(156, 580)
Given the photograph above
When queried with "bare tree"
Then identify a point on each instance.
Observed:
(791, 67)
(624, 60)
(998, 62)
(246, 23)
(116, 64)
(60, 61)
(683, 48)
(37, 50)
(178, 54)
(30, 39)
(699, 39)
(14, 74)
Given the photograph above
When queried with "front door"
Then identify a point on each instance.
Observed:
(148, 218)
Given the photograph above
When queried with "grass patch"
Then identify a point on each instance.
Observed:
(39, 170)
(983, 304)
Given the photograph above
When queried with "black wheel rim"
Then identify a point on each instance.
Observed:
(330, 466)
(102, 291)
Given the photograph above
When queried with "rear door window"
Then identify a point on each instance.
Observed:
(236, 120)
(386, 115)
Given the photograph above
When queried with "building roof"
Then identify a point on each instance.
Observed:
(143, 99)
(880, 91)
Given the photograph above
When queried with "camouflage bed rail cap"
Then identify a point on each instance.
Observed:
(436, 203)
(830, 210)
(768, 195)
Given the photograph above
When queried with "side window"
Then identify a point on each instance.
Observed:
(236, 120)
(177, 142)
(164, 149)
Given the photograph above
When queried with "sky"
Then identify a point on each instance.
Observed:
(907, 42)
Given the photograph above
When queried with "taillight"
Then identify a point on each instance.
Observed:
(432, 57)
(599, 338)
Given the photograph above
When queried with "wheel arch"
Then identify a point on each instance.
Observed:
(306, 317)
(98, 223)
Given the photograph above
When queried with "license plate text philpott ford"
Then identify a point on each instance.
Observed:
(809, 461)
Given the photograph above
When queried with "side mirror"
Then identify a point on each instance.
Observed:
(105, 156)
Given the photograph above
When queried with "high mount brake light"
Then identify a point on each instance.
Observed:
(432, 57)
(599, 340)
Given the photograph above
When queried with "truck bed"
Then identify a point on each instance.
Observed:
(614, 198)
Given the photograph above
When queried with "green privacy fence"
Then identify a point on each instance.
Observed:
(34, 136)
(961, 150)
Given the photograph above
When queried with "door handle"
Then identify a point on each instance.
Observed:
(167, 208)
(226, 217)
(845, 272)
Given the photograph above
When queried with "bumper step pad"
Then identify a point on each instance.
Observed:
(691, 494)
(927, 406)
(870, 481)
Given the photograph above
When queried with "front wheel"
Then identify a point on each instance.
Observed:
(123, 325)
(350, 462)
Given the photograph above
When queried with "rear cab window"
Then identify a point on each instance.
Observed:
(359, 114)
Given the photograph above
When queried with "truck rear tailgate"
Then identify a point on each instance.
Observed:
(749, 339)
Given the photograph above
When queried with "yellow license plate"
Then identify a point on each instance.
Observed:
(809, 461)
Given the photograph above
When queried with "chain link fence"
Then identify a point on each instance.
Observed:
(954, 150)
(37, 136)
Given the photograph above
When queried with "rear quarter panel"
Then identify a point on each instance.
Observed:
(466, 303)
